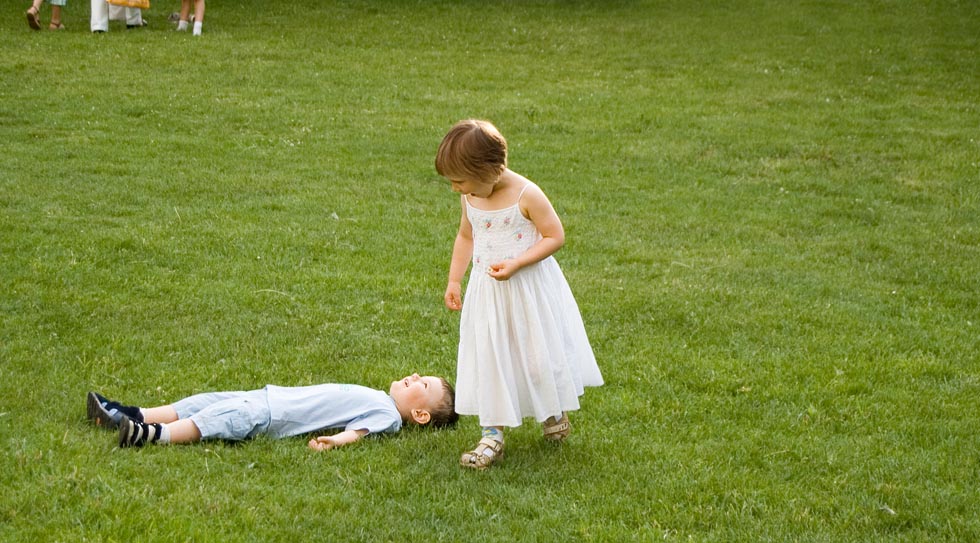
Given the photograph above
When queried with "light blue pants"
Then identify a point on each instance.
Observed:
(233, 416)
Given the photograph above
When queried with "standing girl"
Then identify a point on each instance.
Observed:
(523, 350)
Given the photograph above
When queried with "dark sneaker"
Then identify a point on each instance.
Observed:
(137, 434)
(99, 414)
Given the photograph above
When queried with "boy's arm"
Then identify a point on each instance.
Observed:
(325, 443)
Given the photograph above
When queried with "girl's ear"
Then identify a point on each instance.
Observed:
(421, 416)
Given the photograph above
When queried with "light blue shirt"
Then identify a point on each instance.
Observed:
(300, 410)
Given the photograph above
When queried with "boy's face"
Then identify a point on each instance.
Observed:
(417, 393)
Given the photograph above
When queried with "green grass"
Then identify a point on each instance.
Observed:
(772, 218)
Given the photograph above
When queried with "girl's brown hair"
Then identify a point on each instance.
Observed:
(472, 150)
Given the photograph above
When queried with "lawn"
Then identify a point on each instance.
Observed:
(772, 213)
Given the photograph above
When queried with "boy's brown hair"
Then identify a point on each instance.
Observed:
(444, 415)
(472, 150)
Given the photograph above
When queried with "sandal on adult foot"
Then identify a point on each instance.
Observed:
(56, 26)
(478, 457)
(557, 430)
(32, 18)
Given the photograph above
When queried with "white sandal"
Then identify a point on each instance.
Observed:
(557, 430)
(478, 459)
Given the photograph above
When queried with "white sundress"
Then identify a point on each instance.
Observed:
(523, 350)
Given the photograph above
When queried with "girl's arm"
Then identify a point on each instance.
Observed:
(325, 443)
(462, 254)
(537, 208)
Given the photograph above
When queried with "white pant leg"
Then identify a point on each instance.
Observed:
(100, 16)
(134, 17)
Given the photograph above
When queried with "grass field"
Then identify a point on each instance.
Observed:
(773, 222)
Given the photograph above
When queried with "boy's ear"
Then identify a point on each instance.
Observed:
(421, 416)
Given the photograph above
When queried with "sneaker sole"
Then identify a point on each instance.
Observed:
(98, 415)
(126, 428)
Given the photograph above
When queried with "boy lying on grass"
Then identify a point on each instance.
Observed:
(281, 412)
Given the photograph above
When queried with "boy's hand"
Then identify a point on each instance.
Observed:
(325, 443)
(322, 443)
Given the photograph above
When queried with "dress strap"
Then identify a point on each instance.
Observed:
(519, 196)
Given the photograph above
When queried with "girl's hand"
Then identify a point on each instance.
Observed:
(502, 271)
(453, 297)
(322, 443)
